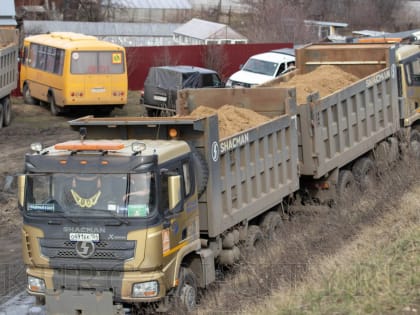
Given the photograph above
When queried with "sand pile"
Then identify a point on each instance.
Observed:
(232, 119)
(325, 79)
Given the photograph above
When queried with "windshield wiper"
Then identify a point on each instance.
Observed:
(113, 215)
(61, 214)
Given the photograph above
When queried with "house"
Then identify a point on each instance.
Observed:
(202, 32)
(124, 34)
(150, 11)
(8, 14)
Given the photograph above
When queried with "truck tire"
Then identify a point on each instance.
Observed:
(202, 171)
(1, 116)
(271, 225)
(186, 293)
(364, 173)
(27, 98)
(382, 156)
(346, 185)
(7, 111)
(415, 143)
(55, 110)
(254, 238)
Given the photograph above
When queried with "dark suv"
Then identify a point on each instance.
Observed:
(162, 84)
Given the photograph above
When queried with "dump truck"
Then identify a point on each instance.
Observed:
(346, 134)
(9, 47)
(94, 245)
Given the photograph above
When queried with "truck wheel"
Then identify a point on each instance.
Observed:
(345, 186)
(364, 173)
(382, 156)
(254, 238)
(415, 143)
(27, 98)
(1, 116)
(7, 111)
(271, 225)
(55, 110)
(186, 293)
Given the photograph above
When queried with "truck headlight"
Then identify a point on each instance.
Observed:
(145, 289)
(228, 83)
(36, 284)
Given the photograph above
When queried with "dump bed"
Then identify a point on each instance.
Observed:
(9, 61)
(249, 171)
(336, 128)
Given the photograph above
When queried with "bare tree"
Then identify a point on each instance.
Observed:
(88, 10)
(283, 20)
(276, 21)
(214, 57)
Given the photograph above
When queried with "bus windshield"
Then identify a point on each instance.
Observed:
(123, 195)
(97, 62)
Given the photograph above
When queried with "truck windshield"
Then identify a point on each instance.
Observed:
(123, 195)
(261, 67)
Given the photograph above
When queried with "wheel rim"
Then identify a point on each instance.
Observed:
(188, 296)
(7, 113)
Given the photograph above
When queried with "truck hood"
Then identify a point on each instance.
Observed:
(249, 77)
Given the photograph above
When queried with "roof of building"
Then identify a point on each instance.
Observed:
(100, 29)
(326, 23)
(8, 13)
(154, 4)
(202, 29)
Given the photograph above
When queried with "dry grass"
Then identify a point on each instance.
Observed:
(357, 260)
(377, 273)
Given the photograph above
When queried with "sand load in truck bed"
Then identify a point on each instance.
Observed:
(325, 79)
(232, 119)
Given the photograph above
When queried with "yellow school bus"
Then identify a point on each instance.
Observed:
(70, 71)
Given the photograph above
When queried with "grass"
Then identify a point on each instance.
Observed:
(377, 273)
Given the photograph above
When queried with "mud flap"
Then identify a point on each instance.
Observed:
(82, 303)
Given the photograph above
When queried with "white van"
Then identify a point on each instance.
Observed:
(263, 67)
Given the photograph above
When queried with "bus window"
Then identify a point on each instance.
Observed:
(92, 62)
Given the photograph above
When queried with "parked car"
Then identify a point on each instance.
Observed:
(162, 84)
(263, 67)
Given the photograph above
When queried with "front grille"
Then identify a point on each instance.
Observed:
(110, 250)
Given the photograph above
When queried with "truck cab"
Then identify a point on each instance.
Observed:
(115, 218)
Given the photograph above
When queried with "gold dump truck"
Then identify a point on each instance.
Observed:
(94, 243)
(143, 210)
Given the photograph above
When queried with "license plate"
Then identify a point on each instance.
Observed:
(159, 98)
(87, 237)
(98, 90)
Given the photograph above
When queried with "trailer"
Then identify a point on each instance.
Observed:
(8, 72)
(206, 196)
(343, 134)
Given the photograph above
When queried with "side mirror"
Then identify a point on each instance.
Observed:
(174, 191)
(21, 182)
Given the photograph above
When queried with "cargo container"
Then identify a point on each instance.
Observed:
(9, 47)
